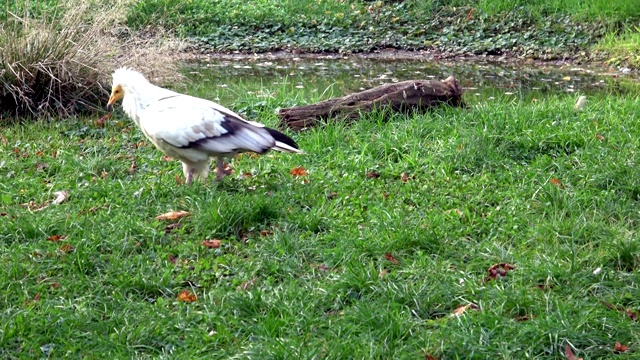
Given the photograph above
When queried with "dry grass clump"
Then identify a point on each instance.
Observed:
(59, 62)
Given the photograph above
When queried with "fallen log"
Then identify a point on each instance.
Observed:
(405, 96)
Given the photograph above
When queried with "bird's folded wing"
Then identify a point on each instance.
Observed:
(188, 122)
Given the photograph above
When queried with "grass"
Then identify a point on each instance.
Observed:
(625, 47)
(336, 263)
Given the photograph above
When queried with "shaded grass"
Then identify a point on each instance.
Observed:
(478, 192)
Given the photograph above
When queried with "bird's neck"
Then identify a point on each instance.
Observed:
(138, 97)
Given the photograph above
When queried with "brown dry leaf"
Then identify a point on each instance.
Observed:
(391, 259)
(246, 285)
(298, 171)
(383, 273)
(179, 179)
(568, 353)
(431, 357)
(212, 244)
(332, 195)
(173, 215)
(524, 317)
(55, 285)
(171, 227)
(498, 270)
(404, 177)
(173, 259)
(32, 301)
(266, 232)
(3, 213)
(599, 137)
(187, 296)
(461, 309)
(323, 267)
(67, 248)
(619, 348)
(41, 166)
(630, 313)
(247, 174)
(557, 183)
(167, 158)
(132, 168)
(373, 174)
(100, 122)
(3, 140)
(56, 238)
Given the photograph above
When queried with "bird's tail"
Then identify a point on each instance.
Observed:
(283, 142)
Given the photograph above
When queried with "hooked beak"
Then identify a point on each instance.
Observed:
(112, 101)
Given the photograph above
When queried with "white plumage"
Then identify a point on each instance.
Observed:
(191, 129)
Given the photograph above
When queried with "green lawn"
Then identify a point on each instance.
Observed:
(394, 226)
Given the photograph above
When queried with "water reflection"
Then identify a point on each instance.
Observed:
(356, 74)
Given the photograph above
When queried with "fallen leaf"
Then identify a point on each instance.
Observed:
(173, 215)
(404, 177)
(41, 166)
(469, 15)
(599, 137)
(498, 270)
(67, 248)
(568, 353)
(171, 227)
(3, 213)
(187, 296)
(173, 259)
(32, 301)
(55, 285)
(383, 273)
(266, 232)
(61, 196)
(247, 174)
(246, 285)
(431, 357)
(298, 171)
(167, 158)
(56, 238)
(132, 168)
(580, 103)
(100, 122)
(390, 258)
(373, 174)
(566, 78)
(557, 183)
(179, 179)
(461, 309)
(524, 317)
(332, 195)
(323, 267)
(619, 348)
(630, 313)
(3, 140)
(212, 244)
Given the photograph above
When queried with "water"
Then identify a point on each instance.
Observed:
(342, 76)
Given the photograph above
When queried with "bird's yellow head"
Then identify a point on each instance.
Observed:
(117, 93)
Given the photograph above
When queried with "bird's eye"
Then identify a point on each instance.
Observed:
(117, 92)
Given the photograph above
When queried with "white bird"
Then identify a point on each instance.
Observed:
(191, 129)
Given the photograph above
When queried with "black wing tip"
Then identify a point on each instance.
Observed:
(278, 136)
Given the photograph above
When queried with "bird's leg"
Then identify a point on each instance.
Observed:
(188, 171)
(220, 171)
(190, 175)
